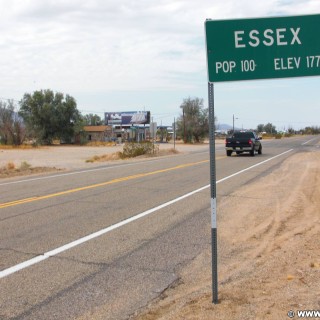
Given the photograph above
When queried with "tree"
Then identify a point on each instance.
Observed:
(12, 130)
(260, 128)
(311, 130)
(92, 120)
(291, 130)
(193, 124)
(268, 128)
(163, 133)
(50, 115)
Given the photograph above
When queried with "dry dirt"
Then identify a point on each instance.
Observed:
(40, 160)
(269, 258)
(270, 262)
(76, 157)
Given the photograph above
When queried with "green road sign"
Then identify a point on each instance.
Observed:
(263, 48)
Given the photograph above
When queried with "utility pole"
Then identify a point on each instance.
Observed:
(184, 127)
(233, 123)
(174, 133)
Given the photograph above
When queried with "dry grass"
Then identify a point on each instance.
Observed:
(168, 152)
(22, 146)
(100, 144)
(10, 170)
(105, 157)
(116, 156)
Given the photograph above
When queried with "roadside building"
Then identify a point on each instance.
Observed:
(98, 133)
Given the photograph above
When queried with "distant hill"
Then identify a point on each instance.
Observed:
(224, 128)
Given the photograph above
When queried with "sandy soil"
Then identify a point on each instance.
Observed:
(270, 262)
(75, 157)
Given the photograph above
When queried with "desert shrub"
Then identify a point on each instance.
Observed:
(133, 149)
(25, 165)
(267, 136)
(288, 135)
(10, 166)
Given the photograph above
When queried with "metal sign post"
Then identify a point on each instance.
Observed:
(213, 195)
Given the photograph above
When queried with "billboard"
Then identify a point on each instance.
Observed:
(127, 118)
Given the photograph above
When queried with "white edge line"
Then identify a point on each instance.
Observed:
(118, 225)
(256, 165)
(307, 141)
(22, 265)
(77, 242)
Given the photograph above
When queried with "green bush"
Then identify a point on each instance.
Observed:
(133, 149)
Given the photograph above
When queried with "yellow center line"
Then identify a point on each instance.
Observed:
(136, 176)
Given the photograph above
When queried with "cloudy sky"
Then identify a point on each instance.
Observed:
(127, 55)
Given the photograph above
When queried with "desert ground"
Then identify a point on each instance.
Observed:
(270, 262)
(75, 157)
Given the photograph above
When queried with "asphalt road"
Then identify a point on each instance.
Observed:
(102, 243)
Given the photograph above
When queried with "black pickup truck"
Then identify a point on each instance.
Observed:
(243, 141)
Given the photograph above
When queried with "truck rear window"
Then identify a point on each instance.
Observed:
(243, 135)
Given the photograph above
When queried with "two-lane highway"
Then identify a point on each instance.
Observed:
(102, 243)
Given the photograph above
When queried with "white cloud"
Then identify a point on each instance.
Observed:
(96, 46)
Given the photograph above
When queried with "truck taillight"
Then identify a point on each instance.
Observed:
(250, 141)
